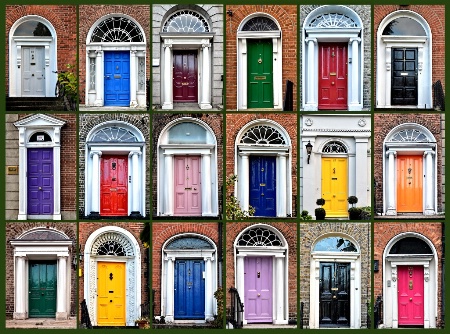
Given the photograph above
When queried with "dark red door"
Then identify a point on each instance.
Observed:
(114, 186)
(333, 76)
(410, 295)
(185, 87)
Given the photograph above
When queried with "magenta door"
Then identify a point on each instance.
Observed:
(410, 295)
(188, 200)
(258, 289)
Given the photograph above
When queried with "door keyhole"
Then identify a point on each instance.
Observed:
(334, 170)
(113, 166)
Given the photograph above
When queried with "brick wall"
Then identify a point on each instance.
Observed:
(286, 17)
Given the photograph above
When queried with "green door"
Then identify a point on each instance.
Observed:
(260, 73)
(42, 289)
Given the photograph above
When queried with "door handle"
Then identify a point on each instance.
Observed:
(410, 299)
(334, 297)
(332, 83)
(42, 294)
(110, 300)
(259, 295)
(40, 188)
(262, 194)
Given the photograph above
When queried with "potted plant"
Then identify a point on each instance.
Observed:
(353, 213)
(320, 212)
(142, 322)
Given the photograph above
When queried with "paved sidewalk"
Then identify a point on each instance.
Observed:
(42, 323)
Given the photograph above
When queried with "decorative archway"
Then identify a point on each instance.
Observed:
(112, 244)
(32, 57)
(267, 139)
(259, 34)
(412, 254)
(404, 61)
(409, 170)
(116, 62)
(334, 34)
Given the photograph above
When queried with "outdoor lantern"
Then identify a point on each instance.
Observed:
(80, 258)
(308, 149)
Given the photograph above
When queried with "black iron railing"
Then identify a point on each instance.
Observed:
(378, 311)
(85, 320)
(145, 310)
(438, 96)
(236, 311)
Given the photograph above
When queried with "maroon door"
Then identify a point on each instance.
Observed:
(258, 289)
(114, 185)
(40, 181)
(188, 199)
(410, 295)
(333, 76)
(185, 87)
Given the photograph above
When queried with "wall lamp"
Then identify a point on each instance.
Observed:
(80, 258)
(309, 149)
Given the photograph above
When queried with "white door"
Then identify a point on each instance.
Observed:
(33, 71)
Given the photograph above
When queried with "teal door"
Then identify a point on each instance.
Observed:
(260, 73)
(42, 289)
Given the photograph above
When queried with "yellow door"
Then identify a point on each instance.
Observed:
(409, 183)
(110, 294)
(334, 186)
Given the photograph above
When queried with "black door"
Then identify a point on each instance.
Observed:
(334, 294)
(404, 76)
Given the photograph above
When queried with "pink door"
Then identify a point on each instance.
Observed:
(258, 289)
(410, 295)
(188, 200)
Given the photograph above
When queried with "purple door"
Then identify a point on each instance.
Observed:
(258, 289)
(40, 181)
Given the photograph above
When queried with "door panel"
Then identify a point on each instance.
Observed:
(111, 294)
(258, 282)
(40, 181)
(189, 289)
(333, 76)
(187, 173)
(409, 183)
(117, 78)
(334, 186)
(263, 185)
(404, 76)
(334, 295)
(114, 185)
(410, 295)
(33, 71)
(185, 84)
(42, 289)
(260, 73)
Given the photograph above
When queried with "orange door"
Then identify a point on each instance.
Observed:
(409, 183)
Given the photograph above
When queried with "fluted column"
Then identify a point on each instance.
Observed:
(170, 290)
(19, 311)
(99, 79)
(95, 190)
(206, 78)
(391, 202)
(135, 198)
(133, 78)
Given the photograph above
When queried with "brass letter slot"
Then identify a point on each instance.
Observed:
(334, 289)
(410, 284)
(334, 178)
(32, 63)
(262, 184)
(404, 73)
(409, 177)
(111, 291)
(117, 76)
(112, 189)
(332, 73)
(259, 77)
(184, 83)
(187, 188)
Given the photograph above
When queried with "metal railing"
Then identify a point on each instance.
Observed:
(85, 320)
(378, 311)
(438, 96)
(236, 312)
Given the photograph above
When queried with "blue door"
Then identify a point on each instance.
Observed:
(189, 289)
(117, 78)
(40, 181)
(263, 185)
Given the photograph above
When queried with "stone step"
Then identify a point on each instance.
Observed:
(35, 104)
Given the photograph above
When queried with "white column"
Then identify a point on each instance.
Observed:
(394, 296)
(206, 78)
(206, 184)
(309, 79)
(282, 186)
(352, 171)
(426, 295)
(240, 276)
(209, 297)
(355, 87)
(170, 290)
(242, 78)
(243, 181)
(99, 73)
(23, 186)
(387, 83)
(167, 186)
(95, 191)
(361, 176)
(135, 200)
(429, 188)
(19, 311)
(61, 312)
(167, 78)
(390, 185)
(279, 291)
(57, 175)
(133, 78)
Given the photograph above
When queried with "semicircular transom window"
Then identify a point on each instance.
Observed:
(335, 244)
(32, 28)
(187, 133)
(263, 135)
(40, 137)
(259, 236)
(260, 23)
(334, 147)
(410, 135)
(404, 26)
(410, 245)
(333, 20)
(189, 243)
(43, 235)
(186, 21)
(112, 244)
(117, 29)
(114, 134)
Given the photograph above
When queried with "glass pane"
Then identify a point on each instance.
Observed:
(189, 243)
(333, 20)
(111, 248)
(260, 23)
(263, 135)
(32, 28)
(335, 244)
(187, 133)
(186, 21)
(259, 236)
(40, 137)
(410, 245)
(117, 29)
(114, 134)
(404, 26)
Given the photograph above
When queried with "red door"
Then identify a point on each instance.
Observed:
(188, 199)
(185, 76)
(333, 76)
(114, 185)
(410, 295)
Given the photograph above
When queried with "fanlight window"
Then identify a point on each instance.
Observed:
(333, 20)
(43, 235)
(410, 245)
(260, 23)
(117, 29)
(404, 26)
(335, 244)
(40, 137)
(186, 21)
(259, 236)
(111, 248)
(114, 134)
(189, 243)
(334, 147)
(187, 133)
(32, 28)
(410, 135)
(263, 135)
(112, 244)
